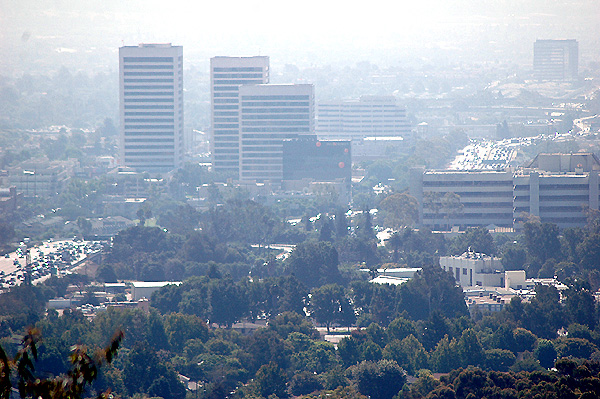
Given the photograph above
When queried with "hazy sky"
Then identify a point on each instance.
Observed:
(39, 34)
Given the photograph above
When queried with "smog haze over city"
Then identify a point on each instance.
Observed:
(41, 36)
(273, 199)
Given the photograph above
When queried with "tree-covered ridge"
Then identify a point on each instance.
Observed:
(388, 332)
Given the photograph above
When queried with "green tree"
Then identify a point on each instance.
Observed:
(444, 358)
(470, 349)
(514, 257)
(228, 302)
(349, 351)
(399, 210)
(545, 352)
(314, 263)
(478, 239)
(304, 383)
(580, 304)
(379, 380)
(499, 359)
(329, 304)
(270, 380)
(542, 240)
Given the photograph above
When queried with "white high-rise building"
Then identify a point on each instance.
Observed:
(151, 106)
(370, 116)
(226, 76)
(270, 114)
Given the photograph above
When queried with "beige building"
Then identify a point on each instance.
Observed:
(227, 74)
(270, 114)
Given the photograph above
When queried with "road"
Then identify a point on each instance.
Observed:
(48, 257)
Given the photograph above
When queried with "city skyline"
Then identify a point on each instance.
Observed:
(37, 37)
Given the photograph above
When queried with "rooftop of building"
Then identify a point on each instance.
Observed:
(469, 254)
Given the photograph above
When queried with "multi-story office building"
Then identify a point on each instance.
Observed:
(226, 76)
(269, 114)
(461, 198)
(371, 116)
(151, 106)
(555, 59)
(555, 187)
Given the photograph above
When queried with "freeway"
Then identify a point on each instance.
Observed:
(45, 259)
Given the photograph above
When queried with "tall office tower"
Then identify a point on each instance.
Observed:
(371, 116)
(555, 59)
(270, 114)
(226, 76)
(151, 100)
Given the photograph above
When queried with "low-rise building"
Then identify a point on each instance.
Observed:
(474, 269)
(145, 289)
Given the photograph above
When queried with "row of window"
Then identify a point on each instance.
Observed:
(275, 103)
(276, 97)
(148, 147)
(488, 204)
(276, 116)
(227, 94)
(275, 162)
(272, 110)
(165, 80)
(238, 69)
(226, 100)
(262, 142)
(470, 215)
(148, 113)
(550, 198)
(151, 87)
(145, 136)
(148, 93)
(138, 127)
(299, 129)
(476, 183)
(134, 66)
(225, 126)
(149, 100)
(261, 175)
(227, 158)
(148, 107)
(224, 134)
(238, 76)
(150, 120)
(227, 144)
(261, 168)
(261, 152)
(237, 82)
(136, 140)
(147, 59)
(155, 73)
(226, 88)
(461, 194)
(275, 123)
